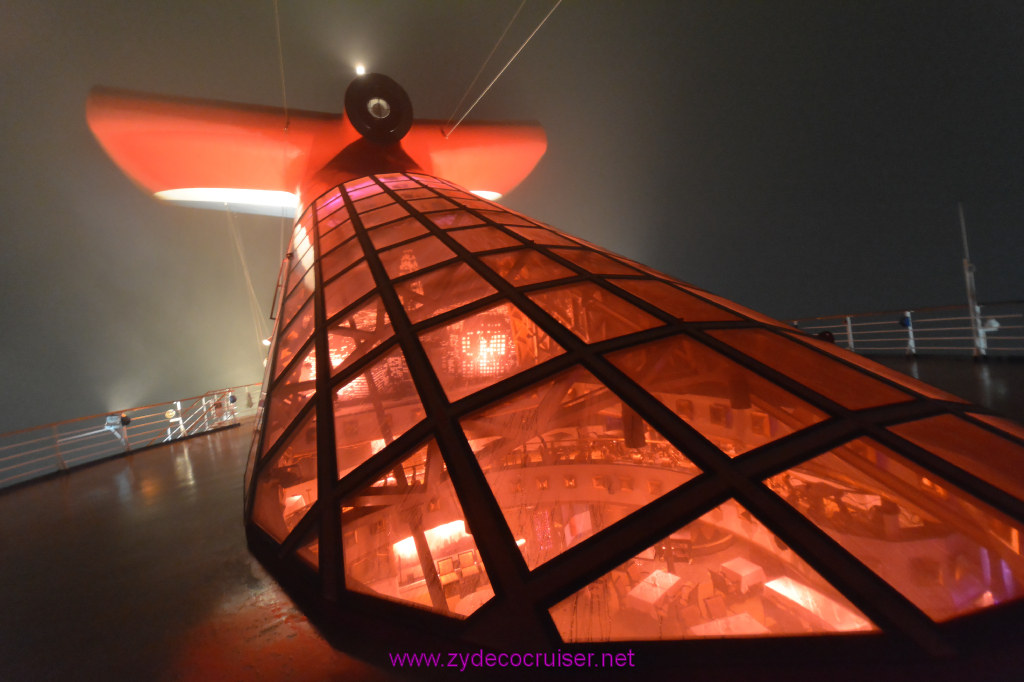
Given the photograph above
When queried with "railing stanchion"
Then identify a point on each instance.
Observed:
(849, 333)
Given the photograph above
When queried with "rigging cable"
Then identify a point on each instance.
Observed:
(484, 65)
(254, 304)
(507, 64)
(284, 105)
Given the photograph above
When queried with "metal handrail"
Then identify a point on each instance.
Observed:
(37, 451)
(926, 330)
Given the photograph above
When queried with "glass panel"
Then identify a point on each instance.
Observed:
(356, 334)
(441, 290)
(372, 202)
(450, 219)
(340, 258)
(876, 368)
(526, 267)
(848, 387)
(506, 218)
(970, 447)
(422, 253)
(329, 203)
(293, 336)
(373, 409)
(288, 396)
(566, 458)
(673, 301)
(297, 297)
(1012, 428)
(946, 551)
(595, 262)
(485, 347)
(348, 288)
(310, 549)
(302, 256)
(592, 313)
(723, 575)
(729, 405)
(484, 238)
(334, 238)
(362, 189)
(338, 223)
(434, 204)
(382, 215)
(409, 542)
(417, 193)
(542, 235)
(742, 310)
(287, 484)
(395, 232)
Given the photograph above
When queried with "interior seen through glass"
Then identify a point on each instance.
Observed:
(723, 575)
(944, 550)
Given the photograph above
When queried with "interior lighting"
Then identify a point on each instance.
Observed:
(486, 194)
(360, 70)
(260, 201)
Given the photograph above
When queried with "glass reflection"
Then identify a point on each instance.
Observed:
(567, 458)
(944, 550)
(483, 348)
(405, 538)
(723, 575)
(287, 484)
(728, 404)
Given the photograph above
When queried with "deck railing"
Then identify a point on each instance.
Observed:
(42, 450)
(993, 329)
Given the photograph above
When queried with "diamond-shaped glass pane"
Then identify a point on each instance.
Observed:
(593, 313)
(355, 334)
(293, 336)
(289, 394)
(526, 266)
(485, 347)
(970, 447)
(731, 406)
(407, 258)
(566, 458)
(879, 369)
(943, 549)
(286, 487)
(723, 575)
(483, 238)
(374, 408)
(673, 301)
(846, 386)
(348, 288)
(406, 539)
(441, 290)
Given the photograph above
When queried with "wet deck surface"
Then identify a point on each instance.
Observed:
(137, 569)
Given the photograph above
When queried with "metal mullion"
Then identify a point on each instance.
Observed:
(904, 389)
(680, 434)
(483, 511)
(368, 471)
(330, 558)
(286, 433)
(805, 393)
(985, 492)
(560, 576)
(865, 589)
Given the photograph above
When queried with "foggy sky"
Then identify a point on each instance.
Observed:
(799, 157)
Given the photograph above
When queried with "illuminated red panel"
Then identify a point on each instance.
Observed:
(166, 143)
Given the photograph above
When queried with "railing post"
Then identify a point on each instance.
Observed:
(849, 333)
(908, 322)
(56, 449)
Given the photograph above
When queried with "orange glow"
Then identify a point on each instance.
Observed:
(437, 538)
